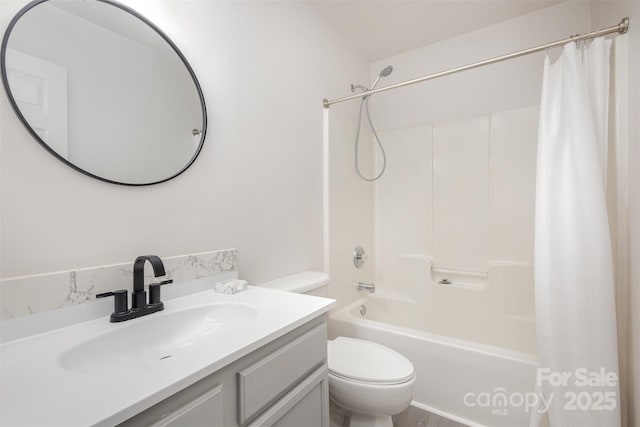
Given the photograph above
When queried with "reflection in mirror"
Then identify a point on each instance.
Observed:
(104, 90)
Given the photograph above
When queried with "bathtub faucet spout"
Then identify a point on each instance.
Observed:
(369, 287)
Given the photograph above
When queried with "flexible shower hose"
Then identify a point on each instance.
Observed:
(365, 104)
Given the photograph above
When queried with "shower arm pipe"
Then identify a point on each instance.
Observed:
(621, 28)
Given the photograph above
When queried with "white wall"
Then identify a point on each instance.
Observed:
(499, 87)
(257, 185)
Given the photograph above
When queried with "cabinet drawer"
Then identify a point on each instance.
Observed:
(266, 381)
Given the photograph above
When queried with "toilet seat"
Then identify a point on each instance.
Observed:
(368, 362)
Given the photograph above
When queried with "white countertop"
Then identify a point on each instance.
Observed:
(36, 390)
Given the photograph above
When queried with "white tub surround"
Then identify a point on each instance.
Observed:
(40, 372)
(21, 296)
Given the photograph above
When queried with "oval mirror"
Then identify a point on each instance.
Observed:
(104, 90)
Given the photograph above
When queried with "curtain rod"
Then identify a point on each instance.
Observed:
(621, 28)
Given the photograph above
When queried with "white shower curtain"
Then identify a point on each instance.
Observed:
(575, 306)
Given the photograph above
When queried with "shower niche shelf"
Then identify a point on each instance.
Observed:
(474, 280)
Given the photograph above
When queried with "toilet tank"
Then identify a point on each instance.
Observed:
(307, 282)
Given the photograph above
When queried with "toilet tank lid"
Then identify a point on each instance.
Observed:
(300, 282)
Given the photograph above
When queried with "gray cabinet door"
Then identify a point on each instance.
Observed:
(206, 410)
(306, 405)
(264, 382)
(306, 413)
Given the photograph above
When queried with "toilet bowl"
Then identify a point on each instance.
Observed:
(369, 381)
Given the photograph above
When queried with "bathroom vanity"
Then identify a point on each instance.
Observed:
(256, 358)
(284, 383)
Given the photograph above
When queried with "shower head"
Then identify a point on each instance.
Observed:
(383, 73)
(386, 71)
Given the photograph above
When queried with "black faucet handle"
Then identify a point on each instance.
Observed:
(154, 292)
(120, 302)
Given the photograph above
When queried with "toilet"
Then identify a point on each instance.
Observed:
(371, 381)
(368, 382)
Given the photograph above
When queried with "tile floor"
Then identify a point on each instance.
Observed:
(415, 417)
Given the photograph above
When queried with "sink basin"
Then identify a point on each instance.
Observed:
(149, 340)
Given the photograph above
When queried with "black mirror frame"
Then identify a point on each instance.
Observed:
(5, 82)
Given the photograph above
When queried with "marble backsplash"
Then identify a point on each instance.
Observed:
(21, 296)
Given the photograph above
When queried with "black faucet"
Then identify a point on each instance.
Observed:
(139, 305)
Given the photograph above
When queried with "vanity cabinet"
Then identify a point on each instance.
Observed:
(283, 383)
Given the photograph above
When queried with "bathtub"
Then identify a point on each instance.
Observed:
(464, 373)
